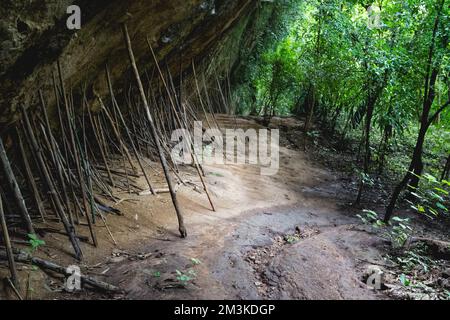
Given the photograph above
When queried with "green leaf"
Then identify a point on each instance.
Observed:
(442, 191)
(33, 236)
(404, 280)
(196, 261)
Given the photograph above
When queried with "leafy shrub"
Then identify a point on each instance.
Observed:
(432, 197)
(397, 231)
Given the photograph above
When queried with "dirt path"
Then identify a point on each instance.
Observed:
(282, 237)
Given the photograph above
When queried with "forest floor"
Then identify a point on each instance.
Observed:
(289, 236)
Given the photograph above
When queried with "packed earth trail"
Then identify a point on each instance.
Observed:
(286, 236)
(233, 150)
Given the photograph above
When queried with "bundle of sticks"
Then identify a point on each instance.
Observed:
(63, 173)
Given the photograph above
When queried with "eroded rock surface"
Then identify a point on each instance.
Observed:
(33, 35)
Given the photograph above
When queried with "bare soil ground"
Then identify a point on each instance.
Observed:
(289, 236)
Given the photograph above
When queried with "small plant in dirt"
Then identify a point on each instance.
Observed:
(366, 179)
(397, 231)
(292, 238)
(35, 243)
(185, 277)
(419, 276)
(404, 280)
(216, 174)
(415, 259)
(196, 261)
(400, 231)
(432, 198)
(371, 218)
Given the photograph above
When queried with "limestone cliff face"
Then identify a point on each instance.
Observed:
(33, 35)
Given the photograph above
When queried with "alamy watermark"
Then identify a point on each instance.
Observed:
(374, 16)
(236, 146)
(375, 279)
(73, 22)
(73, 281)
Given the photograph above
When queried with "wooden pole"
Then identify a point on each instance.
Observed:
(7, 241)
(65, 147)
(15, 188)
(31, 182)
(198, 167)
(118, 136)
(52, 145)
(133, 146)
(76, 155)
(200, 95)
(60, 209)
(102, 152)
(154, 133)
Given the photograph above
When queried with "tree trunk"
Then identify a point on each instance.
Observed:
(416, 166)
(310, 102)
(367, 155)
(383, 148)
(446, 172)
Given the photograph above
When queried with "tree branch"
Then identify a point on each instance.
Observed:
(436, 114)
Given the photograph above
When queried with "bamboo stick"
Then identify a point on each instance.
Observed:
(76, 155)
(154, 133)
(15, 188)
(30, 178)
(102, 152)
(60, 210)
(107, 228)
(118, 135)
(86, 163)
(63, 163)
(52, 145)
(99, 126)
(86, 175)
(136, 154)
(64, 142)
(199, 95)
(53, 159)
(209, 102)
(7, 242)
(200, 171)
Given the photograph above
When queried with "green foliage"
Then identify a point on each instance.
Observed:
(195, 261)
(432, 198)
(186, 276)
(157, 274)
(35, 242)
(371, 218)
(398, 231)
(404, 280)
(414, 258)
(325, 55)
(291, 239)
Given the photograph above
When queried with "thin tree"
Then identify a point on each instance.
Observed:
(415, 169)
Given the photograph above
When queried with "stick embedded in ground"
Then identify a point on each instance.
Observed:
(60, 209)
(154, 133)
(15, 188)
(7, 242)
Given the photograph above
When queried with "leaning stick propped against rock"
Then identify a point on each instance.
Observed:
(154, 133)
